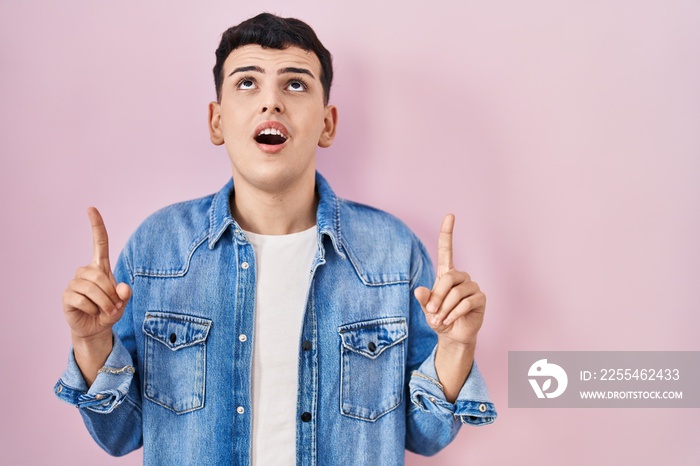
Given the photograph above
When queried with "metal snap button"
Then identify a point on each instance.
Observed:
(371, 346)
(242, 337)
(240, 410)
(245, 265)
(482, 407)
(173, 338)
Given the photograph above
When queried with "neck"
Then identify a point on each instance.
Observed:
(281, 212)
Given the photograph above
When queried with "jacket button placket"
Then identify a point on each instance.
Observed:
(243, 347)
(308, 385)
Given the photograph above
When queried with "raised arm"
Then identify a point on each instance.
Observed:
(93, 303)
(454, 309)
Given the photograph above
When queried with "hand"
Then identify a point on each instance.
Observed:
(94, 302)
(454, 308)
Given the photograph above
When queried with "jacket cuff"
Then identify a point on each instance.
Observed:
(473, 405)
(109, 388)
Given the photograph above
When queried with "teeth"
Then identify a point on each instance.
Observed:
(272, 131)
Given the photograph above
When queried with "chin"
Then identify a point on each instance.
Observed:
(274, 178)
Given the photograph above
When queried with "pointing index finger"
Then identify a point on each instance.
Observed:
(100, 242)
(445, 263)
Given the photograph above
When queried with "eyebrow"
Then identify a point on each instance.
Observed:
(243, 69)
(289, 69)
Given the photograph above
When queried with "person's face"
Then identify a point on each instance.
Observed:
(271, 115)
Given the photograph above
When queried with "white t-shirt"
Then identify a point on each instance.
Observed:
(283, 266)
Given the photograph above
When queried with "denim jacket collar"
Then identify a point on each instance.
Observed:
(327, 215)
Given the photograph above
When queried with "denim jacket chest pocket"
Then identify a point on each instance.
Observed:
(372, 367)
(175, 360)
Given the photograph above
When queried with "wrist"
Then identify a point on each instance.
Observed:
(453, 364)
(91, 353)
(98, 343)
(456, 348)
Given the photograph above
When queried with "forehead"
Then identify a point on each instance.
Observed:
(272, 59)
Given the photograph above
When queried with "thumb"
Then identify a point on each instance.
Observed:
(124, 292)
(422, 294)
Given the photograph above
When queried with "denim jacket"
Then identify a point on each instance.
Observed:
(178, 380)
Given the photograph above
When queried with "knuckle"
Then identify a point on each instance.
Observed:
(459, 276)
(77, 302)
(90, 287)
(67, 299)
(449, 278)
(97, 275)
(465, 287)
(82, 303)
(105, 304)
(91, 273)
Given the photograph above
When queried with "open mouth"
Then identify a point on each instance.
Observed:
(270, 137)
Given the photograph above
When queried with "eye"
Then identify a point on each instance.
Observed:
(246, 83)
(297, 85)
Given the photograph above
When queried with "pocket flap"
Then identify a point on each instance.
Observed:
(370, 338)
(176, 330)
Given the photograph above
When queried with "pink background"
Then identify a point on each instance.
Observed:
(565, 136)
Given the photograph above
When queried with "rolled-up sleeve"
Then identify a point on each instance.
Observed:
(109, 388)
(472, 405)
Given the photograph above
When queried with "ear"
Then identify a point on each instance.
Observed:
(215, 133)
(330, 123)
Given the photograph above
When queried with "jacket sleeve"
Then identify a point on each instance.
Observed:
(431, 421)
(111, 407)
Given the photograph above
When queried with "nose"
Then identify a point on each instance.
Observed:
(272, 108)
(272, 102)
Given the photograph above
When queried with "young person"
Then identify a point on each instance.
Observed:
(272, 322)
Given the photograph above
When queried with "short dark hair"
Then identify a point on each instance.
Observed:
(274, 32)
